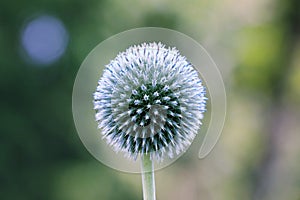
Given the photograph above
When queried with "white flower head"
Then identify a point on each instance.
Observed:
(149, 99)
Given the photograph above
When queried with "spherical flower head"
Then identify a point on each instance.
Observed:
(149, 100)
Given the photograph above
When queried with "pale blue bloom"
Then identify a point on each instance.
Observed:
(150, 99)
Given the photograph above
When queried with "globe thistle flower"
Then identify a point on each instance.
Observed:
(149, 100)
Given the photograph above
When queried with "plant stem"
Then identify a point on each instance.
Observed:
(148, 177)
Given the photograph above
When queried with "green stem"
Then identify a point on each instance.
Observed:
(148, 177)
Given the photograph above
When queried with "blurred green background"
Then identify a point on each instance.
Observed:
(256, 45)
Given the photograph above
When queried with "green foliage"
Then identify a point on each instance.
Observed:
(259, 54)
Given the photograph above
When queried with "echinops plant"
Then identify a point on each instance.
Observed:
(149, 102)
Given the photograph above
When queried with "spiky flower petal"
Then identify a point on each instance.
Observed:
(150, 99)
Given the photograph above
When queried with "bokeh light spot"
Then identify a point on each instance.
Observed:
(44, 39)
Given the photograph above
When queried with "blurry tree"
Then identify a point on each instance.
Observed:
(264, 70)
(37, 136)
(160, 19)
